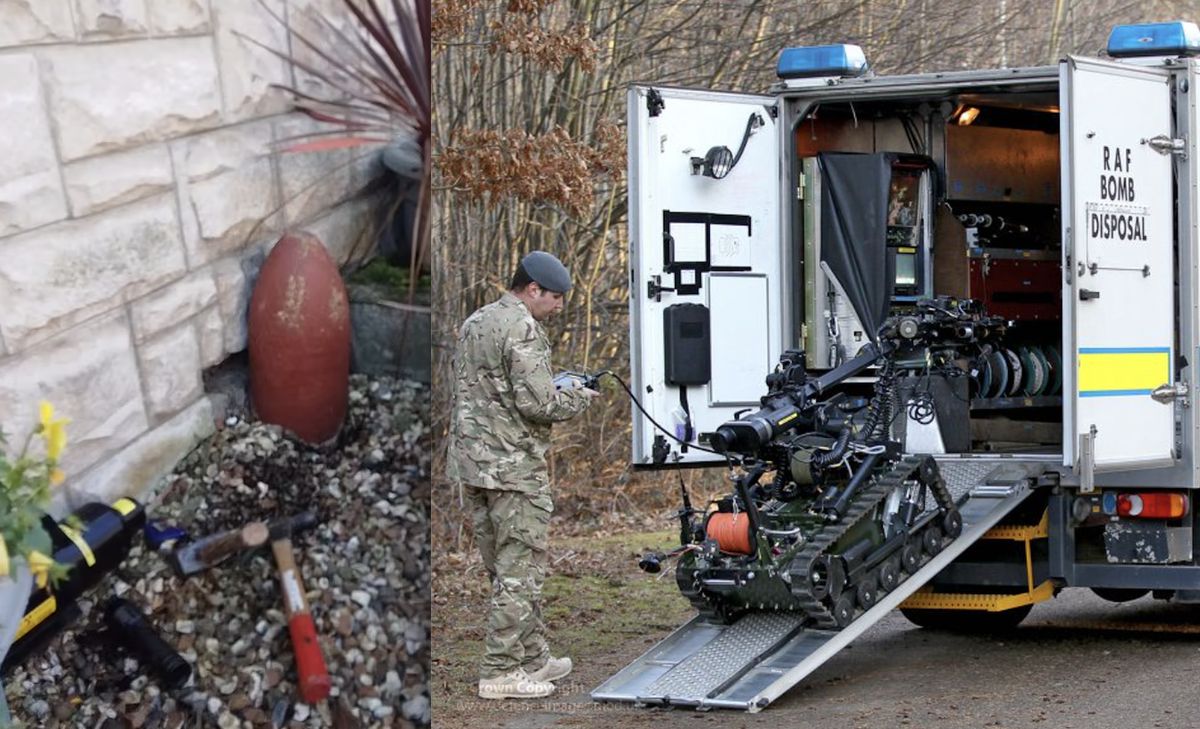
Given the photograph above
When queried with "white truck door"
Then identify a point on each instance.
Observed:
(705, 287)
(1118, 265)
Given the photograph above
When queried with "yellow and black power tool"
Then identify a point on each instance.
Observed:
(91, 542)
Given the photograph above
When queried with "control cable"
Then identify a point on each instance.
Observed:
(649, 417)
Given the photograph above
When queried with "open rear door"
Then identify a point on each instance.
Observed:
(705, 303)
(1118, 264)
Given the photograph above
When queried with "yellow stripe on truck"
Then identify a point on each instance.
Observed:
(1108, 372)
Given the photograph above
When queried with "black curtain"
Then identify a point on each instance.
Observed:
(853, 230)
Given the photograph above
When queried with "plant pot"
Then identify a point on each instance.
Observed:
(390, 337)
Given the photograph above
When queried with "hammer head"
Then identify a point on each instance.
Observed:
(207, 552)
(290, 526)
(210, 551)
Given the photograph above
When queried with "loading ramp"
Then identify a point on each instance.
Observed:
(748, 664)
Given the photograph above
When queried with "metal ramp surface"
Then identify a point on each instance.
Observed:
(752, 662)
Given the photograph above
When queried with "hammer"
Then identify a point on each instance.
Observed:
(210, 551)
(314, 682)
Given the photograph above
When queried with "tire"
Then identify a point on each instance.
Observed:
(889, 574)
(868, 591)
(1119, 594)
(843, 609)
(967, 621)
(952, 524)
(910, 556)
(933, 540)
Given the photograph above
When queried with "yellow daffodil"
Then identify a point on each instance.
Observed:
(45, 413)
(39, 566)
(57, 476)
(53, 431)
(3, 559)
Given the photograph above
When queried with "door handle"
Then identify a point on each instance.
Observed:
(1168, 393)
(1088, 294)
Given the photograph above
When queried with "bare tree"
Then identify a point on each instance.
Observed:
(529, 152)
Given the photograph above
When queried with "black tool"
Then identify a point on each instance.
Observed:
(134, 632)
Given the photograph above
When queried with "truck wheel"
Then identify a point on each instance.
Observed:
(967, 621)
(1119, 594)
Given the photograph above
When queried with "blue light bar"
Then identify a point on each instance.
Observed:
(1154, 39)
(840, 60)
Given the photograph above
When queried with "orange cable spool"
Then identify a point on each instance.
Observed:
(731, 531)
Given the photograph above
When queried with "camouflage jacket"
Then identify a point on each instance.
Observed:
(504, 401)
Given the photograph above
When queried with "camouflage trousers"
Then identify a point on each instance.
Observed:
(510, 529)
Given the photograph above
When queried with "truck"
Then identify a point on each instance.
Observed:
(973, 298)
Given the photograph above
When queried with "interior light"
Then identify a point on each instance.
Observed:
(968, 115)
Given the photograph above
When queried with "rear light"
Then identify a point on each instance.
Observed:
(1146, 504)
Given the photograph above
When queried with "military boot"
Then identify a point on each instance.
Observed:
(514, 685)
(554, 669)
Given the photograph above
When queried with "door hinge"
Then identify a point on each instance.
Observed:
(1167, 145)
(654, 102)
(1085, 464)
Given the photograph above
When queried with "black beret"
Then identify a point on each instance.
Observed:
(547, 271)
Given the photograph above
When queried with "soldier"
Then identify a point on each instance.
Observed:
(504, 404)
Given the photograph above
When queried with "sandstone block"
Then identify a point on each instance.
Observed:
(247, 71)
(227, 190)
(111, 18)
(308, 18)
(179, 16)
(90, 375)
(233, 295)
(311, 182)
(344, 229)
(170, 365)
(210, 330)
(35, 21)
(100, 183)
(117, 95)
(30, 189)
(171, 305)
(56, 276)
(137, 467)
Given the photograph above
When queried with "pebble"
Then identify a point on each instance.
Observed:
(366, 564)
(39, 708)
(280, 713)
(63, 710)
(417, 709)
(392, 685)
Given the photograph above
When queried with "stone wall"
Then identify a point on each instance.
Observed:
(141, 186)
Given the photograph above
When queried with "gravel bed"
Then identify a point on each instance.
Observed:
(365, 567)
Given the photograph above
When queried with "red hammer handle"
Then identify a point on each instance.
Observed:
(310, 664)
